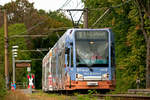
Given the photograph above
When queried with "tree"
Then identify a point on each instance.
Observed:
(18, 10)
(143, 7)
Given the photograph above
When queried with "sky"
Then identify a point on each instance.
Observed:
(53, 5)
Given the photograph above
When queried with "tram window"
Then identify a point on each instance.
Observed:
(54, 66)
(71, 57)
(46, 70)
(68, 57)
(43, 71)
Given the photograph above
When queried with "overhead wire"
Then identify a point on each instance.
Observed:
(78, 4)
(76, 11)
(119, 5)
(33, 27)
(64, 4)
(52, 29)
(43, 34)
(41, 22)
(101, 17)
(67, 1)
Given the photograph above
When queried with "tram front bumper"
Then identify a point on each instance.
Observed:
(75, 85)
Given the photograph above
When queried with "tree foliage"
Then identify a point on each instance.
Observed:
(124, 19)
(37, 22)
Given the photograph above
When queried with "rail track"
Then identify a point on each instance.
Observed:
(112, 96)
(103, 96)
(122, 96)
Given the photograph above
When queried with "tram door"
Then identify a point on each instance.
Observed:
(69, 62)
(67, 52)
(69, 57)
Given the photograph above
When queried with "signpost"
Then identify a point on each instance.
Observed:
(28, 69)
(20, 64)
(31, 85)
(23, 64)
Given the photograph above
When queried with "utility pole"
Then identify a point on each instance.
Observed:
(6, 49)
(85, 17)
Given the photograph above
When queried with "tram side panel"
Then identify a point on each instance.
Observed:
(45, 67)
(113, 65)
(61, 69)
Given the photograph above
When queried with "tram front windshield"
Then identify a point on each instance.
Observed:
(92, 48)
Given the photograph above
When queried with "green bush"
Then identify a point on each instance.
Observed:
(2, 86)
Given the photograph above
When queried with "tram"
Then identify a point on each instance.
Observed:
(81, 59)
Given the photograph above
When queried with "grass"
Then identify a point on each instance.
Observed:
(89, 96)
(17, 95)
(47, 96)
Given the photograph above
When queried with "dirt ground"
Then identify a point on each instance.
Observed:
(20, 95)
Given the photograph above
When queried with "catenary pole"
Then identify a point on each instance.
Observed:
(85, 16)
(6, 49)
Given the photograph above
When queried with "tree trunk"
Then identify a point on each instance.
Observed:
(147, 40)
(148, 63)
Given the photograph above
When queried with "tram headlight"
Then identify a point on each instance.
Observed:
(105, 76)
(79, 76)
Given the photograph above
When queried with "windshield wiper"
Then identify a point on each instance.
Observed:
(90, 68)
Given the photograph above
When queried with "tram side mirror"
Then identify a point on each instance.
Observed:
(66, 50)
(71, 43)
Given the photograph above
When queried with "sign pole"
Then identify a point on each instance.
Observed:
(14, 54)
(30, 91)
(13, 69)
(30, 79)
